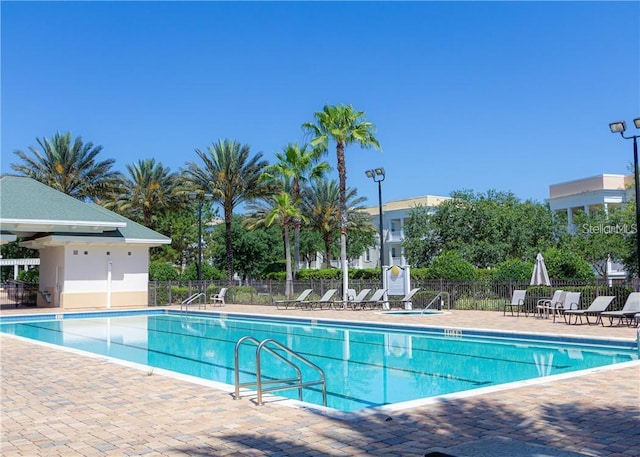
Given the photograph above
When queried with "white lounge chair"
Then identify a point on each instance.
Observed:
(627, 313)
(356, 301)
(376, 300)
(402, 303)
(517, 301)
(545, 305)
(571, 302)
(598, 306)
(284, 304)
(325, 300)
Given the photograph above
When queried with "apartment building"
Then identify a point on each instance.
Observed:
(395, 214)
(604, 191)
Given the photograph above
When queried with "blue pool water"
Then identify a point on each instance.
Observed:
(365, 365)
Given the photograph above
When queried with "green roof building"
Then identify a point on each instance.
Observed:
(90, 257)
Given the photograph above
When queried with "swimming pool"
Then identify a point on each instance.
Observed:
(365, 365)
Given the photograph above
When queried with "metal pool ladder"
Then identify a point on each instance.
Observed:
(185, 303)
(291, 383)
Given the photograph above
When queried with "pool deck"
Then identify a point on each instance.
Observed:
(59, 403)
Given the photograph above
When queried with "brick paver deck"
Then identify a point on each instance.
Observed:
(57, 403)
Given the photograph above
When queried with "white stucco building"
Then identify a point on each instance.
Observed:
(90, 257)
(604, 191)
(395, 214)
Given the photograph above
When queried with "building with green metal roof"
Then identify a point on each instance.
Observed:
(90, 257)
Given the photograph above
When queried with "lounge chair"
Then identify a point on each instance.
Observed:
(517, 301)
(356, 300)
(284, 304)
(628, 311)
(570, 302)
(326, 299)
(543, 306)
(402, 303)
(218, 299)
(376, 300)
(598, 306)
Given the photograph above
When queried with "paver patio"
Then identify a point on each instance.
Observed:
(58, 403)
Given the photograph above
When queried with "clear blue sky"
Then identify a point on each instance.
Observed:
(511, 96)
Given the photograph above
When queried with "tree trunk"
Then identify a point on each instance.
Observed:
(342, 173)
(296, 242)
(229, 244)
(287, 258)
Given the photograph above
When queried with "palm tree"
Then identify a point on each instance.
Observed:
(343, 125)
(70, 168)
(151, 190)
(283, 210)
(232, 176)
(300, 164)
(321, 207)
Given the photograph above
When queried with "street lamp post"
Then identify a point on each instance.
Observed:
(200, 197)
(378, 175)
(620, 127)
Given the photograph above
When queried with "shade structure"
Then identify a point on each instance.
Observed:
(540, 277)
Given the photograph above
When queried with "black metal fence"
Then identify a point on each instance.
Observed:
(477, 294)
(474, 295)
(18, 293)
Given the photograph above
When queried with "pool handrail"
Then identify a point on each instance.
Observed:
(262, 345)
(185, 303)
(439, 296)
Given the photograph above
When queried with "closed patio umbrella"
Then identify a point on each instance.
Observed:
(540, 277)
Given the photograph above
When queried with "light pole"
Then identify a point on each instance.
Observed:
(200, 197)
(378, 175)
(620, 127)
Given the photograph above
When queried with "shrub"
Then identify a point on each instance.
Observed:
(209, 273)
(179, 293)
(331, 273)
(367, 273)
(276, 276)
(450, 265)
(514, 269)
(486, 273)
(31, 276)
(562, 264)
(419, 274)
(162, 271)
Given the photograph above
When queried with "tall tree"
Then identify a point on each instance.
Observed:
(600, 237)
(70, 166)
(345, 126)
(232, 175)
(253, 250)
(421, 243)
(321, 207)
(150, 190)
(300, 164)
(280, 209)
(489, 228)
